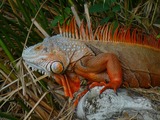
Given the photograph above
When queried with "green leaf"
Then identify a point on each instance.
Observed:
(105, 20)
(115, 25)
(6, 50)
(23, 9)
(56, 20)
(109, 2)
(67, 10)
(158, 36)
(7, 116)
(116, 8)
(61, 21)
(98, 8)
(113, 1)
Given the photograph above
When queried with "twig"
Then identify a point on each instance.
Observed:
(33, 23)
(78, 21)
(88, 21)
(40, 28)
(87, 16)
(153, 16)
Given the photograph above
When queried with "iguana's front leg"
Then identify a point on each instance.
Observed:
(70, 82)
(94, 69)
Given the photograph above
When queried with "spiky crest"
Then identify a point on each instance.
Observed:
(107, 33)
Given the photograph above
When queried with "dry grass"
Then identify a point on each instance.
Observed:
(29, 95)
(25, 94)
(27, 99)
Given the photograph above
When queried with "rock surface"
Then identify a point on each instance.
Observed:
(121, 106)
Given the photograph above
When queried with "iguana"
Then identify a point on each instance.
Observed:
(125, 57)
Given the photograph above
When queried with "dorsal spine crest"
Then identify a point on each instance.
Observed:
(107, 33)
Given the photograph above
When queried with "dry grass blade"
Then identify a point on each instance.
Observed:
(6, 84)
(76, 16)
(66, 114)
(40, 28)
(30, 95)
(30, 72)
(17, 90)
(148, 7)
(20, 76)
(6, 98)
(33, 23)
(36, 106)
(152, 94)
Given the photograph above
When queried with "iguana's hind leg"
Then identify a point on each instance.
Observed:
(93, 68)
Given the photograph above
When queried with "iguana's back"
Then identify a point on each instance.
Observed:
(69, 53)
(138, 52)
(140, 63)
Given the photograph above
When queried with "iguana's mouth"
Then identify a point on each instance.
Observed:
(34, 67)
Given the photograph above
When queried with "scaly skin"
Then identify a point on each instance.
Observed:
(66, 60)
(140, 64)
(96, 61)
(103, 63)
(56, 56)
(93, 68)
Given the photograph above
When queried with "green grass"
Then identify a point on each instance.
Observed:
(20, 88)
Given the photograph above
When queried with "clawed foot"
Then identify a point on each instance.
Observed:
(111, 85)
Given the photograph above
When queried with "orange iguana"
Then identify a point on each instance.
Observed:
(123, 58)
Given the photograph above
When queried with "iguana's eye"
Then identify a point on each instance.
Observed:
(57, 67)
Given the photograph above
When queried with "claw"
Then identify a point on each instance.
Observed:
(111, 85)
(79, 96)
(92, 85)
(115, 84)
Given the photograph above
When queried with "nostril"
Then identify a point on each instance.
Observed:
(43, 59)
(38, 47)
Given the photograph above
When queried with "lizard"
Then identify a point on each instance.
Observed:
(125, 57)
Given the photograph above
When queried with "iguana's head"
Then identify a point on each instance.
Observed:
(46, 57)
(54, 54)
